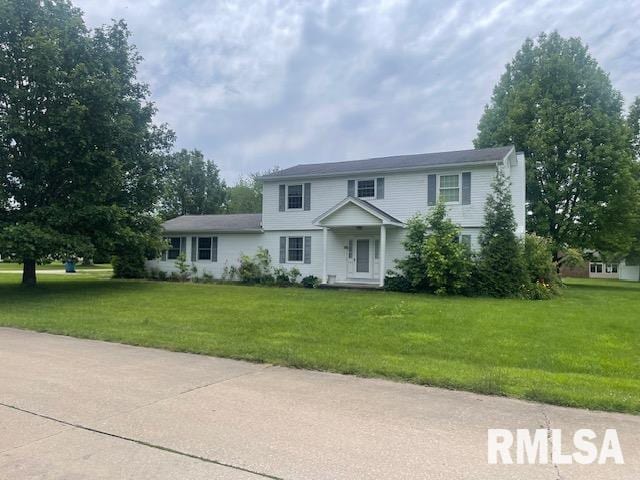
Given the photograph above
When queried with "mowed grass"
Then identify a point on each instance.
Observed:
(581, 349)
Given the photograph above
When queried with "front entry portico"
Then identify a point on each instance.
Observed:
(355, 232)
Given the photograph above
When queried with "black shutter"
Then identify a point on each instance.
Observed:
(307, 249)
(214, 249)
(431, 189)
(307, 196)
(466, 188)
(351, 188)
(282, 197)
(194, 249)
(283, 249)
(380, 188)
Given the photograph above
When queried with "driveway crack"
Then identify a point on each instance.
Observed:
(547, 424)
(142, 442)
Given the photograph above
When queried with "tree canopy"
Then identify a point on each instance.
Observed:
(80, 157)
(558, 106)
(192, 186)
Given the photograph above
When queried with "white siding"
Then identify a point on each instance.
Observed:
(350, 215)
(405, 195)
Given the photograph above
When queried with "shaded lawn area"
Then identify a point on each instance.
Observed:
(54, 266)
(582, 349)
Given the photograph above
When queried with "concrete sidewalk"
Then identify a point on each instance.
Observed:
(74, 408)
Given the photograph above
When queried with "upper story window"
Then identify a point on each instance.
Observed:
(204, 248)
(174, 248)
(449, 188)
(294, 197)
(366, 188)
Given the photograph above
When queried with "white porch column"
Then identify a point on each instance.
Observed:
(324, 254)
(383, 252)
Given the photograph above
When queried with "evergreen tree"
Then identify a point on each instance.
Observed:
(557, 105)
(633, 122)
(501, 268)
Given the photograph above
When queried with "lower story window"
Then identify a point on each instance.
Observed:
(174, 248)
(295, 250)
(204, 248)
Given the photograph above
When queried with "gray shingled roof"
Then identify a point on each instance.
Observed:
(237, 222)
(399, 162)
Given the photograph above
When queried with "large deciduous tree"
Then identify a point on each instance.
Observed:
(557, 105)
(192, 186)
(80, 159)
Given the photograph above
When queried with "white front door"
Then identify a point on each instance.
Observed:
(360, 258)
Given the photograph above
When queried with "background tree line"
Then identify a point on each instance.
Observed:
(191, 185)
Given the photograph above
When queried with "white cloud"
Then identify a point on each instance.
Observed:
(259, 83)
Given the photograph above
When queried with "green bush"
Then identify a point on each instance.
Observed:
(128, 265)
(397, 283)
(310, 281)
(436, 261)
(447, 260)
(538, 257)
(413, 267)
(183, 267)
(256, 269)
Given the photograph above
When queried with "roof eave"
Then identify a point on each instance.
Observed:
(384, 170)
(213, 230)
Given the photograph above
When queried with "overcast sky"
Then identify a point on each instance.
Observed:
(261, 83)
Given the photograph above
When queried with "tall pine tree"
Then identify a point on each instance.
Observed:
(501, 267)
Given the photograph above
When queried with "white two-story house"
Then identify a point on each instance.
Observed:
(344, 222)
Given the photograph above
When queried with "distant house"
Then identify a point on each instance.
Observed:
(596, 268)
(344, 222)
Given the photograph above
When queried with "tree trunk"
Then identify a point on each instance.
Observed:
(29, 273)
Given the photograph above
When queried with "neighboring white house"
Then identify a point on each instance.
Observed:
(623, 270)
(344, 222)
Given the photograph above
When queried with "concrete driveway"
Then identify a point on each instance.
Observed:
(73, 409)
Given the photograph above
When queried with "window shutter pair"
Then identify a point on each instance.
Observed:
(283, 249)
(282, 197)
(214, 249)
(432, 189)
(351, 188)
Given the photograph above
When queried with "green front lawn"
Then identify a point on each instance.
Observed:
(582, 349)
